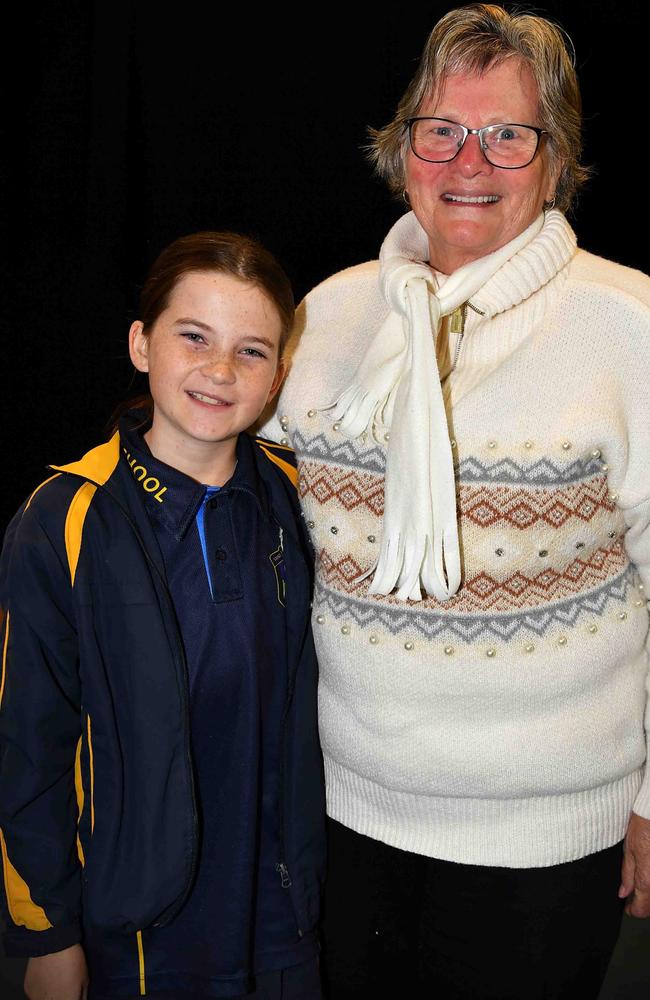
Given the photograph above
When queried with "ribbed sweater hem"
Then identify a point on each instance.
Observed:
(510, 833)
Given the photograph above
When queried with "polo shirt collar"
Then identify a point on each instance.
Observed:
(174, 498)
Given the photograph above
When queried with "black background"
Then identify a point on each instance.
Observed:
(129, 124)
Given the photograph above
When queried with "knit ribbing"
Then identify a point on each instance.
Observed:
(513, 833)
(531, 269)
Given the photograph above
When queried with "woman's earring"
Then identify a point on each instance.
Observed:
(405, 198)
(548, 205)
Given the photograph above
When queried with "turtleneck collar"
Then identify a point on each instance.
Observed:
(550, 246)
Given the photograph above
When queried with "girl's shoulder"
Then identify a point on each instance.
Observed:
(282, 458)
(36, 544)
(276, 464)
(48, 526)
(47, 506)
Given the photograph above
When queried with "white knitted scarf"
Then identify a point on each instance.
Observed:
(397, 388)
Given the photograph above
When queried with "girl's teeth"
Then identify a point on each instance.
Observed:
(205, 399)
(466, 200)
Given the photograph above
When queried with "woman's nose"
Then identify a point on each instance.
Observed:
(471, 160)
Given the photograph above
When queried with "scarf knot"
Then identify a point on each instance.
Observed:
(397, 388)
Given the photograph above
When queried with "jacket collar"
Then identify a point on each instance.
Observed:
(98, 464)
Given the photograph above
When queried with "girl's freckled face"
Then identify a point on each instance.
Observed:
(212, 358)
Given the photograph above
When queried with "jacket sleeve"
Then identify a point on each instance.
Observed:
(40, 729)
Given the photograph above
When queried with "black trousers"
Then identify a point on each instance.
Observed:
(403, 925)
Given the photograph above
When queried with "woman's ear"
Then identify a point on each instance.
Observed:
(139, 347)
(553, 177)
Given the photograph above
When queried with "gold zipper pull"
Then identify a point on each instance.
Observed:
(457, 319)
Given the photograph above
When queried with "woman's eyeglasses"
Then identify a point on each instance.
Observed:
(438, 140)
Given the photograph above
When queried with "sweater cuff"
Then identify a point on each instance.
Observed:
(22, 943)
(642, 802)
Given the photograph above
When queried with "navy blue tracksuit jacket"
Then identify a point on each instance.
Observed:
(97, 805)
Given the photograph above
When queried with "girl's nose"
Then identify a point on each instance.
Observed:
(219, 369)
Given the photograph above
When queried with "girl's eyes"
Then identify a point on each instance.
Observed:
(196, 338)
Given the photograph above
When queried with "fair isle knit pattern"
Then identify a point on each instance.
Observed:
(506, 603)
(504, 726)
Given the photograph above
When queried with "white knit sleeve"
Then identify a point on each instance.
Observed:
(632, 368)
(638, 547)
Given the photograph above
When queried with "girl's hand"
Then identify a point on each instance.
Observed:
(63, 975)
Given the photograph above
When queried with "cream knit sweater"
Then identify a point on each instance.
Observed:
(504, 726)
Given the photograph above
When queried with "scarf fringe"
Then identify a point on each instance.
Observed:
(355, 410)
(406, 562)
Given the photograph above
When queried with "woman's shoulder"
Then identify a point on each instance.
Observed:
(348, 300)
(608, 280)
(349, 279)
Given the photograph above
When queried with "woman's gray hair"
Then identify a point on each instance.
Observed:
(471, 40)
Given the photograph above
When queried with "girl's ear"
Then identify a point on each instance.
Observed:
(139, 347)
(281, 371)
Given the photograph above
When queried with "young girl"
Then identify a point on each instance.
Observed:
(161, 796)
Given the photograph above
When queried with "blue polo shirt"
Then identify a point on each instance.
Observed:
(223, 558)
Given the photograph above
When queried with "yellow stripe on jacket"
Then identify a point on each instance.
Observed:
(74, 525)
(289, 470)
(22, 908)
(92, 778)
(40, 487)
(143, 985)
(79, 789)
(5, 646)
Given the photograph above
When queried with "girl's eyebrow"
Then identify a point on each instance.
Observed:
(192, 322)
(261, 340)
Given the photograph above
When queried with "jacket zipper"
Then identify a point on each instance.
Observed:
(281, 866)
(285, 878)
(176, 906)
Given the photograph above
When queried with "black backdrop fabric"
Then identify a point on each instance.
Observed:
(128, 124)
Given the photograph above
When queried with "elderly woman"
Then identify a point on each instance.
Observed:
(478, 496)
